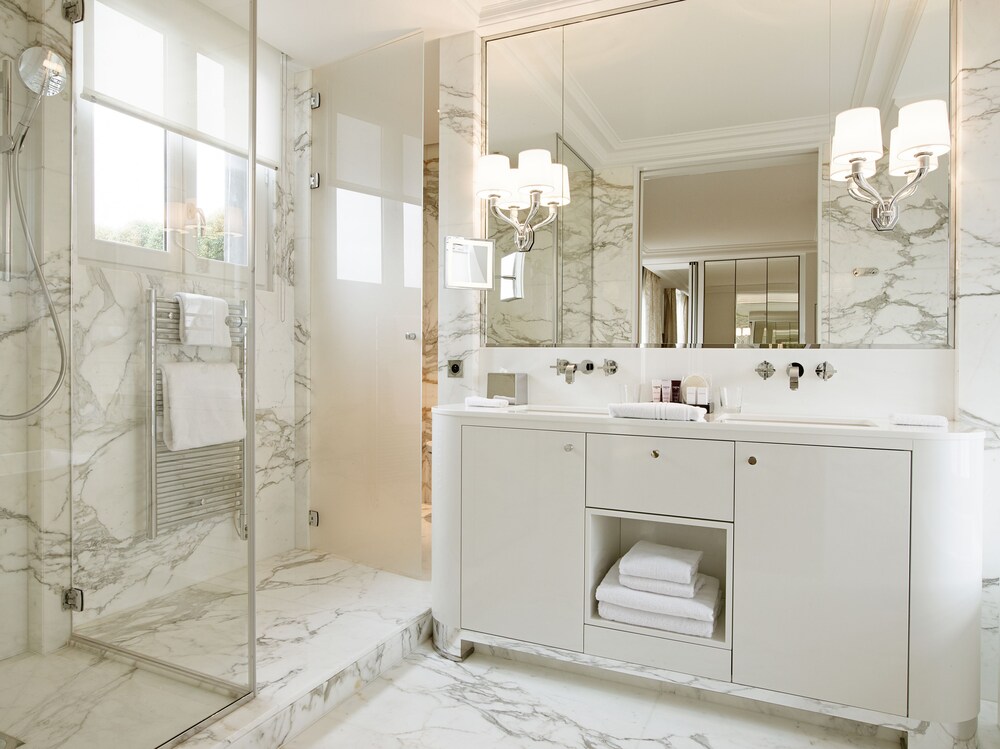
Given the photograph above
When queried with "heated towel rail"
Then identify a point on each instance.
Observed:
(190, 485)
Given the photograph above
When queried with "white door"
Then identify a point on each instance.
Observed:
(821, 573)
(523, 535)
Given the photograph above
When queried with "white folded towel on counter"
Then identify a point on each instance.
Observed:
(663, 411)
(664, 587)
(702, 607)
(202, 404)
(477, 401)
(204, 320)
(660, 562)
(665, 622)
(919, 420)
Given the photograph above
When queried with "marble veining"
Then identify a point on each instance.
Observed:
(428, 701)
(614, 256)
(429, 326)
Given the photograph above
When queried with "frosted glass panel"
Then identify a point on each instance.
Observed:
(359, 237)
(413, 246)
(359, 151)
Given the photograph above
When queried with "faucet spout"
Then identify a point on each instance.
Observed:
(570, 373)
(795, 371)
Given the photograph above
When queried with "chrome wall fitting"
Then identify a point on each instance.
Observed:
(795, 371)
(825, 371)
(765, 369)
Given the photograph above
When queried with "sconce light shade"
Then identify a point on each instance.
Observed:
(559, 194)
(923, 128)
(900, 167)
(493, 176)
(857, 134)
(512, 197)
(535, 169)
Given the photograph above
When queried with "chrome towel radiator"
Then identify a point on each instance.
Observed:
(190, 485)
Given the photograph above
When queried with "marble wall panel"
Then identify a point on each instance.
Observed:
(460, 213)
(429, 335)
(615, 256)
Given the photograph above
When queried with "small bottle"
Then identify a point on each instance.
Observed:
(702, 396)
(657, 390)
(675, 391)
(691, 396)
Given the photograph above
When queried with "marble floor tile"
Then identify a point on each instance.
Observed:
(428, 701)
(73, 699)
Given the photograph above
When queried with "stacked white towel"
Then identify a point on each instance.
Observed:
(660, 587)
(202, 405)
(204, 320)
(662, 411)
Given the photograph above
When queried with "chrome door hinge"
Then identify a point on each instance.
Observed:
(314, 518)
(72, 599)
(314, 100)
(72, 10)
(314, 180)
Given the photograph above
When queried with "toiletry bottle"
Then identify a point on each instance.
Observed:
(675, 391)
(657, 390)
(691, 396)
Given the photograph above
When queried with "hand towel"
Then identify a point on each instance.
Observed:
(496, 401)
(660, 562)
(202, 405)
(203, 320)
(702, 607)
(919, 420)
(655, 621)
(663, 587)
(663, 411)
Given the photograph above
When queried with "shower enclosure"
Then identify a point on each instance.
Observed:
(130, 168)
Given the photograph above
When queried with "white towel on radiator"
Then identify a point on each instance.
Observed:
(202, 404)
(702, 607)
(664, 587)
(203, 320)
(662, 411)
(666, 622)
(660, 562)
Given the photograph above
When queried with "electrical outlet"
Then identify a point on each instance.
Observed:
(313, 519)
(456, 368)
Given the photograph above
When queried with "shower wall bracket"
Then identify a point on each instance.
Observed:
(72, 10)
(72, 599)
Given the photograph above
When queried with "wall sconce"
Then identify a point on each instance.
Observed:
(536, 182)
(914, 146)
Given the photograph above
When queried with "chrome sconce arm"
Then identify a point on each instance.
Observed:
(524, 232)
(885, 211)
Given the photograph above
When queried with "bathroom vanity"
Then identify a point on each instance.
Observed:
(849, 554)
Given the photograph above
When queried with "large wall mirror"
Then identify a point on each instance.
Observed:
(697, 135)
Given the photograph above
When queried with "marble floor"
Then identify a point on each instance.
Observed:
(73, 699)
(429, 702)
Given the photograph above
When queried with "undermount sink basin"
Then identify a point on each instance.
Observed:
(776, 420)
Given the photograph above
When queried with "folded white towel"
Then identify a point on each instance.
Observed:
(664, 411)
(477, 401)
(655, 621)
(203, 320)
(660, 562)
(202, 405)
(919, 420)
(663, 587)
(702, 607)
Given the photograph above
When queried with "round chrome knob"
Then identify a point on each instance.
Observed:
(568, 447)
(655, 453)
(752, 460)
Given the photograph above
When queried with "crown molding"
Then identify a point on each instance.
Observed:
(515, 16)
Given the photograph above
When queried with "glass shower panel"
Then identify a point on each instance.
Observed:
(162, 541)
(366, 308)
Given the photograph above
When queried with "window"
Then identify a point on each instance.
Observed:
(168, 171)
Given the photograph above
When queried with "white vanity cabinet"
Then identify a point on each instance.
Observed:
(522, 534)
(849, 558)
(822, 559)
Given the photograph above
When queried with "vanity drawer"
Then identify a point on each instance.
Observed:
(685, 657)
(661, 475)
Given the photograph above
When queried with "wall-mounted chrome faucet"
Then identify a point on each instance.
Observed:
(565, 367)
(795, 371)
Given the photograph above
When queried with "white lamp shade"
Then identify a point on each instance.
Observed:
(857, 134)
(512, 198)
(493, 176)
(559, 194)
(923, 128)
(900, 167)
(535, 169)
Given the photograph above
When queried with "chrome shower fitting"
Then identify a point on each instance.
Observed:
(795, 371)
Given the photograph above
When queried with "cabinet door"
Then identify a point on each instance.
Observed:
(821, 573)
(523, 535)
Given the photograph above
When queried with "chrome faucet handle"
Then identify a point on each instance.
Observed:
(795, 371)
(560, 366)
(825, 371)
(765, 369)
(610, 367)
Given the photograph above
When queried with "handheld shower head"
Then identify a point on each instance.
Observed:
(43, 70)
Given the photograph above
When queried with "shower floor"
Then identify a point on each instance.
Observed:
(322, 621)
(73, 699)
